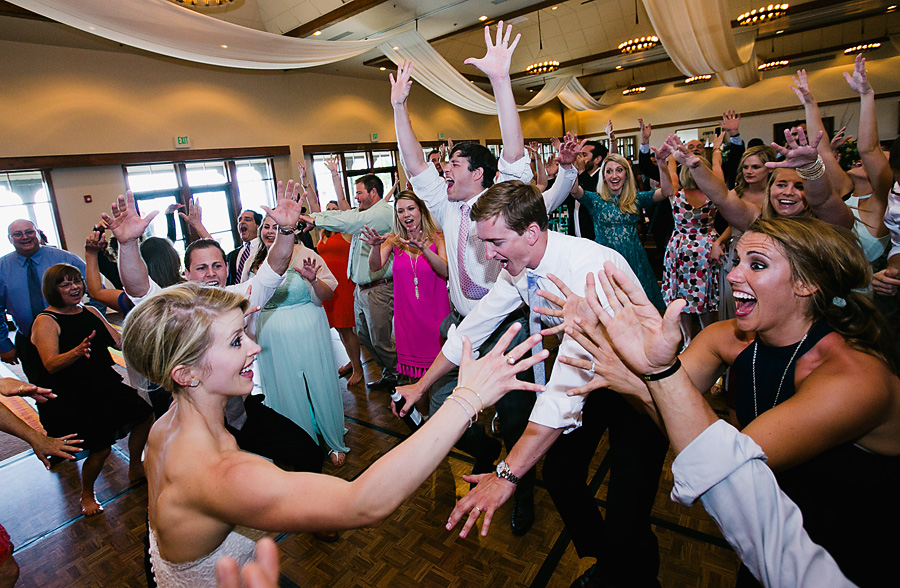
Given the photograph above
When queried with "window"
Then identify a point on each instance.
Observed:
(221, 188)
(353, 164)
(25, 194)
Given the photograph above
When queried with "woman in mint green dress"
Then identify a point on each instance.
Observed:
(297, 365)
(616, 214)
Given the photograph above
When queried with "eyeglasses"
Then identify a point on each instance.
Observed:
(72, 282)
(20, 234)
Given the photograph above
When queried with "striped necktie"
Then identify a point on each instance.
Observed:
(472, 290)
(245, 254)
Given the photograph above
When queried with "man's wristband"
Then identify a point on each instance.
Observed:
(663, 374)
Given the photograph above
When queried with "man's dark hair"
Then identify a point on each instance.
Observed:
(517, 203)
(371, 182)
(257, 217)
(433, 152)
(478, 156)
(200, 244)
(599, 149)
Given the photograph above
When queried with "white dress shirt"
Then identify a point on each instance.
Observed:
(726, 470)
(569, 259)
(431, 187)
(892, 219)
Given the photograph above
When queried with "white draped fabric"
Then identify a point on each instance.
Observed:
(697, 35)
(435, 73)
(742, 76)
(162, 27)
(575, 97)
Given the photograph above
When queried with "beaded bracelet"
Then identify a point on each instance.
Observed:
(480, 399)
(461, 405)
(812, 171)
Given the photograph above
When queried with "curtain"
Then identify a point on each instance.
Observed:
(435, 73)
(162, 27)
(697, 35)
(741, 76)
(575, 97)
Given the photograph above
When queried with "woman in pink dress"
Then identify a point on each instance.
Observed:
(420, 282)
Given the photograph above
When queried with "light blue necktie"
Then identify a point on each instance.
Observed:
(534, 326)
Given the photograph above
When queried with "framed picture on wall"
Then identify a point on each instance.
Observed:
(778, 128)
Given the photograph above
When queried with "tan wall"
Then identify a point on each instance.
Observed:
(59, 101)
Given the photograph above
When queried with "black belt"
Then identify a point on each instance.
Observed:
(375, 283)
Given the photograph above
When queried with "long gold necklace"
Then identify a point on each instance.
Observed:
(413, 261)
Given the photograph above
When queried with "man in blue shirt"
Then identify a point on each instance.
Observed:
(21, 273)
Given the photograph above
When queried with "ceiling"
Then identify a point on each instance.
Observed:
(582, 34)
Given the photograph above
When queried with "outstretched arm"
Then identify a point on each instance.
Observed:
(44, 446)
(93, 245)
(411, 155)
(286, 214)
(839, 179)
(333, 163)
(611, 134)
(128, 226)
(879, 171)
(495, 65)
(737, 212)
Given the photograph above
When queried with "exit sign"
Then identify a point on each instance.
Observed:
(183, 142)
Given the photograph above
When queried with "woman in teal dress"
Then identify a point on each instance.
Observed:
(297, 365)
(616, 211)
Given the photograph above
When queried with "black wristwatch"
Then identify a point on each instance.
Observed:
(504, 472)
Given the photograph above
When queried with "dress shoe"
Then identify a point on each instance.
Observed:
(523, 512)
(384, 383)
(327, 536)
(592, 578)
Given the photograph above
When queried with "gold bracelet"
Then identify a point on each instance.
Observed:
(463, 398)
(471, 419)
(480, 399)
(812, 171)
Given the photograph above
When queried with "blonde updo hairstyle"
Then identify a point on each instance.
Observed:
(173, 328)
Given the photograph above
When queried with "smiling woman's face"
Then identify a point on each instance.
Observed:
(786, 193)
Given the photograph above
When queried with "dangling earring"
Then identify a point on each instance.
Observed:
(194, 383)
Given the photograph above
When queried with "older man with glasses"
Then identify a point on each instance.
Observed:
(20, 291)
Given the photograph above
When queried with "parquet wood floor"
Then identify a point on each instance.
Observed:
(57, 547)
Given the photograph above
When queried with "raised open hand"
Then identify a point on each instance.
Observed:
(801, 88)
(610, 132)
(677, 149)
(287, 209)
(839, 139)
(95, 242)
(731, 120)
(173, 208)
(717, 142)
(798, 152)
(309, 269)
(495, 63)
(372, 236)
(859, 81)
(569, 149)
(333, 163)
(646, 341)
(573, 309)
(125, 222)
(645, 131)
(401, 85)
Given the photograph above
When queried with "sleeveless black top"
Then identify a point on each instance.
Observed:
(846, 494)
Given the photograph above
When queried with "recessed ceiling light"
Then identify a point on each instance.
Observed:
(619, 67)
(395, 48)
(779, 32)
(482, 18)
(892, 7)
(383, 68)
(554, 7)
(317, 33)
(224, 46)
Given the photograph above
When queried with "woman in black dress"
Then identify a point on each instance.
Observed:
(91, 399)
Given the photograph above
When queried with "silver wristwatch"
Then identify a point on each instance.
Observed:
(504, 472)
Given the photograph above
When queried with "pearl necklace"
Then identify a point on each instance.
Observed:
(783, 376)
